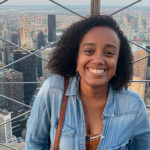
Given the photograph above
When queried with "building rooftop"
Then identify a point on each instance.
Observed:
(4, 112)
(17, 146)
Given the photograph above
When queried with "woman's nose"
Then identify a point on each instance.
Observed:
(98, 58)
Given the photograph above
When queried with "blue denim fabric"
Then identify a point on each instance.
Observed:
(125, 119)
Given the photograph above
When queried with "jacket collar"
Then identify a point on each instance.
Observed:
(73, 89)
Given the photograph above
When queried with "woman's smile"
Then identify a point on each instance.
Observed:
(96, 71)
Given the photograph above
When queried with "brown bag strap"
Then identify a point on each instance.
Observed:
(62, 115)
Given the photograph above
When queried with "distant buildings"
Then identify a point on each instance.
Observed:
(13, 91)
(51, 28)
(5, 129)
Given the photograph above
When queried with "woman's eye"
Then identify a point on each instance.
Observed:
(110, 53)
(89, 51)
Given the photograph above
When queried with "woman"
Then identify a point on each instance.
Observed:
(101, 113)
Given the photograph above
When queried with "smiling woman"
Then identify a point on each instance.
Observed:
(101, 112)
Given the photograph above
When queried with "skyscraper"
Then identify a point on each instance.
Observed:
(51, 28)
(24, 33)
(6, 129)
(15, 38)
(147, 95)
(0, 54)
(29, 70)
(140, 67)
(39, 43)
(13, 91)
(138, 87)
(6, 52)
(45, 54)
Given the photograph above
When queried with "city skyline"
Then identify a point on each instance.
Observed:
(76, 2)
(15, 24)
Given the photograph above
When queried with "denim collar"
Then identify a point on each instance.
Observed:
(73, 89)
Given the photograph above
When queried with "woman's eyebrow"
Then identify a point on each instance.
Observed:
(111, 46)
(107, 46)
(88, 44)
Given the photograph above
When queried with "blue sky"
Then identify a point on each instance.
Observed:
(75, 2)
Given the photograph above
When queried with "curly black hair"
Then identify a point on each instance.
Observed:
(63, 58)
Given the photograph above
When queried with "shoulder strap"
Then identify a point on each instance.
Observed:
(62, 115)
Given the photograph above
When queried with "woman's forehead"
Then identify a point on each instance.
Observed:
(101, 34)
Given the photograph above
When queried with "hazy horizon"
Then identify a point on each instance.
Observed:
(76, 2)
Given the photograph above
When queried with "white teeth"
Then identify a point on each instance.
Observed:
(96, 70)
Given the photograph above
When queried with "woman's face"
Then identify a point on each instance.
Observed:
(98, 56)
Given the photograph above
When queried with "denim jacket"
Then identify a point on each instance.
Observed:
(125, 119)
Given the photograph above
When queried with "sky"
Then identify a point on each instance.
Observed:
(75, 2)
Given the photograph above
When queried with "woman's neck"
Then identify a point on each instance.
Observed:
(93, 94)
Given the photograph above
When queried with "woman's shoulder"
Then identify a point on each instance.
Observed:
(54, 81)
(128, 93)
(128, 101)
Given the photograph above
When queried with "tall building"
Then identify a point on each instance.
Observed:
(5, 34)
(28, 68)
(6, 52)
(0, 54)
(5, 47)
(140, 67)
(16, 92)
(138, 87)
(2, 64)
(40, 42)
(140, 70)
(24, 34)
(15, 38)
(45, 54)
(6, 129)
(51, 28)
(147, 95)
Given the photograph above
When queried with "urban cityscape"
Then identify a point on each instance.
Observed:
(34, 27)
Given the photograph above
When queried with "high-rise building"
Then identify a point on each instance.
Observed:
(45, 54)
(24, 34)
(147, 95)
(40, 42)
(6, 34)
(6, 52)
(2, 64)
(138, 87)
(51, 28)
(140, 70)
(0, 54)
(15, 38)
(140, 67)
(28, 68)
(6, 129)
(13, 91)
